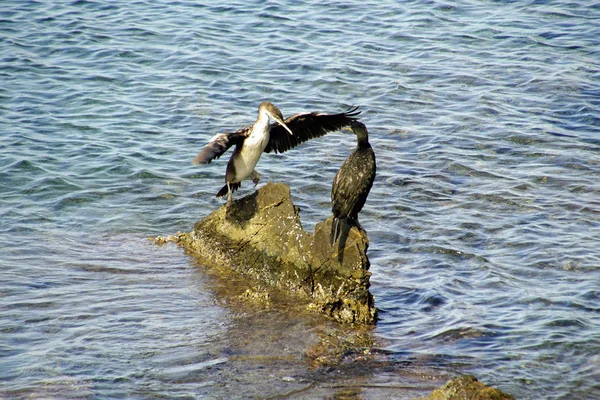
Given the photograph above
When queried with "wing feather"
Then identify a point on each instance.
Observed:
(219, 144)
(307, 126)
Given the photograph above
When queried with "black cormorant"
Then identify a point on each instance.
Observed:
(352, 183)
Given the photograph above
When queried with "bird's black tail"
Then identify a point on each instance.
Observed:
(233, 186)
(335, 230)
(340, 228)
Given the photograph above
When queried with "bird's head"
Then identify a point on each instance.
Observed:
(359, 129)
(273, 112)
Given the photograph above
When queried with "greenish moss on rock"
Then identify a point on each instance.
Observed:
(467, 387)
(261, 238)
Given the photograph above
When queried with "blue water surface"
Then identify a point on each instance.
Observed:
(484, 220)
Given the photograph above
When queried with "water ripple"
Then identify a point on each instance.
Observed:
(483, 221)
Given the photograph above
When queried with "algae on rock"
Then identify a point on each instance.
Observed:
(467, 387)
(262, 238)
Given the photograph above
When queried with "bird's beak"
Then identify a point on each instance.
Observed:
(347, 128)
(284, 125)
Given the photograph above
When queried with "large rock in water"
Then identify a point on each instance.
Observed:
(262, 238)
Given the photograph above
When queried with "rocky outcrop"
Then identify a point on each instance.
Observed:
(261, 243)
(261, 238)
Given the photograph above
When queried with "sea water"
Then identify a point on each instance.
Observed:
(484, 220)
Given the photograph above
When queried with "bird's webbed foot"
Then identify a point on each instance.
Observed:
(255, 177)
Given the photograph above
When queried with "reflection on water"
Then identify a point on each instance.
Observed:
(483, 221)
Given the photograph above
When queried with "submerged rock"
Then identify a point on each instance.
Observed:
(467, 387)
(262, 239)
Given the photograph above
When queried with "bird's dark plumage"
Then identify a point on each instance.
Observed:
(307, 126)
(352, 183)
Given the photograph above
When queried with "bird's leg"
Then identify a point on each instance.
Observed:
(255, 177)
(229, 198)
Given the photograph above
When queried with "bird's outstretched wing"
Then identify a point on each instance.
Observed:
(307, 126)
(219, 144)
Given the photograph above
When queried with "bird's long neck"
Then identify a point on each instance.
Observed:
(259, 135)
(262, 125)
(362, 142)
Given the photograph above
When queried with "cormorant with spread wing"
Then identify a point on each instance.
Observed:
(352, 184)
(280, 136)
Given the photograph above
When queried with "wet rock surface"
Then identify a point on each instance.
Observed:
(467, 387)
(262, 239)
